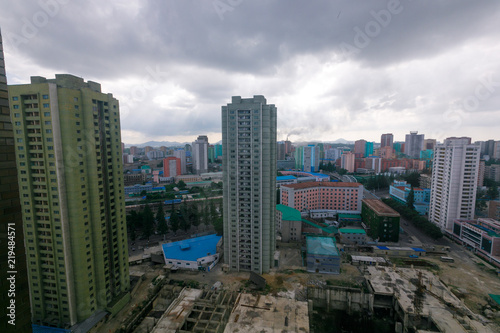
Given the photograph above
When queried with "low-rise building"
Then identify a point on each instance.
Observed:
(352, 235)
(380, 220)
(481, 235)
(194, 253)
(400, 190)
(137, 188)
(322, 255)
(311, 196)
(398, 251)
(494, 210)
(289, 223)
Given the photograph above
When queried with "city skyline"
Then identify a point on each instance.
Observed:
(337, 70)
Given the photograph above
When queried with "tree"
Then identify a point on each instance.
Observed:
(160, 219)
(133, 220)
(480, 200)
(185, 221)
(412, 178)
(160, 214)
(492, 191)
(218, 226)
(148, 220)
(411, 199)
(174, 219)
(181, 185)
(342, 171)
(194, 215)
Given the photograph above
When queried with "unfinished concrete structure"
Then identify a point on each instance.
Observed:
(264, 313)
(197, 310)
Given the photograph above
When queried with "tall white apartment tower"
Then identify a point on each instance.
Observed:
(454, 181)
(249, 164)
(200, 155)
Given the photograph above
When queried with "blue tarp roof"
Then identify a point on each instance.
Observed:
(191, 249)
(321, 246)
(383, 247)
(286, 178)
(417, 249)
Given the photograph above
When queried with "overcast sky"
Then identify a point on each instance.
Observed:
(334, 69)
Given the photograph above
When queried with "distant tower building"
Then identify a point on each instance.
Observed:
(67, 136)
(299, 158)
(368, 149)
(480, 173)
(147, 149)
(347, 161)
(281, 150)
(387, 140)
(172, 166)
(429, 144)
(311, 158)
(454, 181)
(414, 143)
(360, 148)
(11, 223)
(249, 178)
(218, 151)
(200, 155)
(288, 147)
(134, 151)
(181, 155)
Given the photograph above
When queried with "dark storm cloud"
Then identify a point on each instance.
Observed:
(206, 51)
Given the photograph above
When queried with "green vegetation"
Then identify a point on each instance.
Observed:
(427, 227)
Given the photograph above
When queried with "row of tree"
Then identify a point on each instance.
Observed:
(420, 222)
(184, 217)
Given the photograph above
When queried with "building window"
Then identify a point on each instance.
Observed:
(15, 98)
(45, 96)
(16, 106)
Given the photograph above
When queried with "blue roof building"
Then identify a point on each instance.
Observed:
(193, 253)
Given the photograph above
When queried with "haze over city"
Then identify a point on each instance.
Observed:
(334, 69)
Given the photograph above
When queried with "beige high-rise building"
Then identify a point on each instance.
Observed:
(249, 164)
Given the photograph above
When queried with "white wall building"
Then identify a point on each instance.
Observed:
(454, 181)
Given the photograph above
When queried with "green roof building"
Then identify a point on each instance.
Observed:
(289, 223)
(68, 147)
(322, 255)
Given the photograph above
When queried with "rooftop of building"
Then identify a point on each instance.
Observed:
(265, 313)
(380, 208)
(191, 249)
(321, 245)
(68, 81)
(282, 178)
(352, 231)
(289, 213)
(305, 185)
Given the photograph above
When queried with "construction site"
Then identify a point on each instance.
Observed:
(387, 295)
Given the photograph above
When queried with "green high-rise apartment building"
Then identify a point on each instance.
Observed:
(249, 173)
(68, 151)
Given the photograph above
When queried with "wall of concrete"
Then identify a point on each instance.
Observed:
(341, 298)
